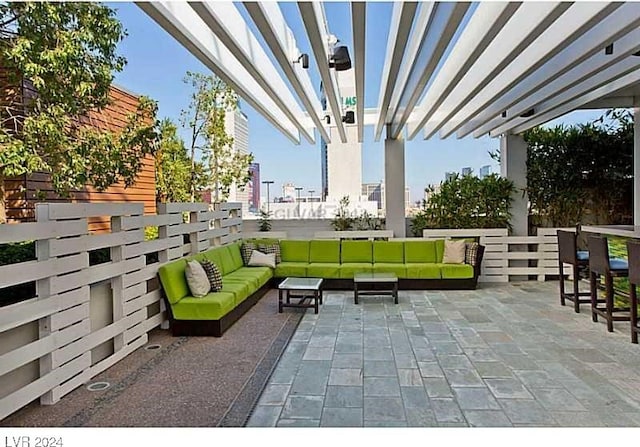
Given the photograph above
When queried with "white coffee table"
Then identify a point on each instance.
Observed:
(376, 283)
(307, 292)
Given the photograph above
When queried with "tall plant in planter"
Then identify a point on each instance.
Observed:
(467, 202)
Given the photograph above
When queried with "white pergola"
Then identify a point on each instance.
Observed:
(451, 68)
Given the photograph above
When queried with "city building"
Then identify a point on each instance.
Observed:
(236, 124)
(466, 171)
(341, 163)
(288, 193)
(375, 192)
(253, 188)
(448, 176)
(485, 171)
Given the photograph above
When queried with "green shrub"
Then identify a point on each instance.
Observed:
(467, 202)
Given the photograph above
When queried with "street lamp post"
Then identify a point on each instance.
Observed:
(311, 191)
(268, 182)
(298, 189)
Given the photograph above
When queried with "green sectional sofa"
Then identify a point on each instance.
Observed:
(213, 314)
(417, 263)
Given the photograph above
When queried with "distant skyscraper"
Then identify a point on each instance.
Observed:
(466, 171)
(374, 192)
(236, 124)
(449, 175)
(253, 187)
(288, 192)
(485, 171)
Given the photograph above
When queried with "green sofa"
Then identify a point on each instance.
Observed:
(417, 263)
(213, 314)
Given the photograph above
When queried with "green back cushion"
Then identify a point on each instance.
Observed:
(388, 251)
(173, 280)
(439, 250)
(236, 257)
(294, 251)
(324, 251)
(421, 251)
(221, 256)
(357, 251)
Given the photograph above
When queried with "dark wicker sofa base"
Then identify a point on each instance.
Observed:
(215, 328)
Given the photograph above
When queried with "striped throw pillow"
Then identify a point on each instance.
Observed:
(213, 274)
(245, 250)
(471, 253)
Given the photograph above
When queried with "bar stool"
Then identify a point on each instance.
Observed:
(633, 251)
(568, 253)
(601, 265)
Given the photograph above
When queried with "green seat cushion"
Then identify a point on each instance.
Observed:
(294, 251)
(258, 276)
(391, 267)
(356, 251)
(423, 271)
(241, 289)
(295, 269)
(173, 280)
(456, 271)
(210, 307)
(348, 270)
(236, 257)
(324, 251)
(388, 252)
(420, 251)
(323, 270)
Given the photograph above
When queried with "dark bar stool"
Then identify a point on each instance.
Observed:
(601, 265)
(568, 253)
(633, 252)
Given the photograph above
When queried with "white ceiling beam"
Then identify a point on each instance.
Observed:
(443, 22)
(568, 28)
(595, 82)
(182, 22)
(224, 19)
(622, 21)
(624, 48)
(399, 30)
(487, 20)
(609, 89)
(269, 20)
(358, 25)
(313, 18)
(611, 102)
(526, 24)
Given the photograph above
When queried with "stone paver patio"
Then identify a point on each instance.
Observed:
(499, 356)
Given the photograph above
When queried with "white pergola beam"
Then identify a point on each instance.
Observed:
(399, 29)
(358, 25)
(622, 21)
(443, 22)
(608, 83)
(569, 27)
(594, 66)
(269, 20)
(526, 24)
(224, 19)
(182, 22)
(314, 22)
(487, 20)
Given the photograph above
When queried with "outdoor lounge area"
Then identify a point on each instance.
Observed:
(496, 300)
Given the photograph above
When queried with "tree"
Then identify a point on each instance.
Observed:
(65, 53)
(175, 173)
(211, 99)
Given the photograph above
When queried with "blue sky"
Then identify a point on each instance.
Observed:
(157, 64)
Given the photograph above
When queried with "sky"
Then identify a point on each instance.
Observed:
(157, 65)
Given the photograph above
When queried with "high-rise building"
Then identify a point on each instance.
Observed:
(449, 175)
(341, 163)
(485, 171)
(288, 192)
(375, 192)
(236, 124)
(253, 187)
(466, 171)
